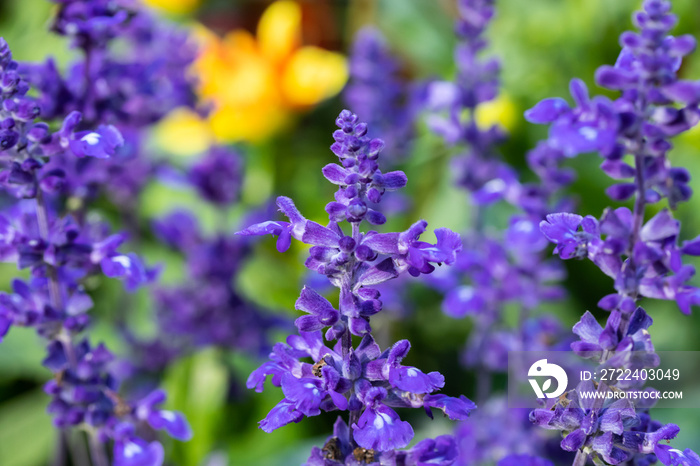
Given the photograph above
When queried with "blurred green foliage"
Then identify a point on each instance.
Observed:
(543, 44)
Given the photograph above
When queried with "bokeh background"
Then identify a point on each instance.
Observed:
(283, 127)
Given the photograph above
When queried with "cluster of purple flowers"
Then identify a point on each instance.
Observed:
(363, 380)
(101, 105)
(641, 255)
(131, 73)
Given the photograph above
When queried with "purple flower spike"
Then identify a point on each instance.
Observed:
(362, 380)
(379, 95)
(120, 89)
(642, 257)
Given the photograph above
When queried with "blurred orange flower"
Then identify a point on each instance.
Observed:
(257, 83)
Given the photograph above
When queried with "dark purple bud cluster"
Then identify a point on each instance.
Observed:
(360, 180)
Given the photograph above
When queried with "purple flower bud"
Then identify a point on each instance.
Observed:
(365, 253)
(336, 174)
(615, 78)
(347, 244)
(622, 191)
(8, 139)
(375, 218)
(683, 45)
(25, 109)
(356, 210)
(547, 111)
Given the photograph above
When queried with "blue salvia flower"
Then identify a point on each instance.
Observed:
(142, 76)
(364, 380)
(60, 252)
(641, 256)
(141, 64)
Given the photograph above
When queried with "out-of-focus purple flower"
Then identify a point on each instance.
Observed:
(130, 450)
(218, 176)
(206, 309)
(378, 94)
(174, 423)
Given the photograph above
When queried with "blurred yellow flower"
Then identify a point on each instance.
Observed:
(176, 7)
(501, 111)
(256, 84)
(183, 133)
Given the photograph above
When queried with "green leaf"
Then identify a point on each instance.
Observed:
(26, 434)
